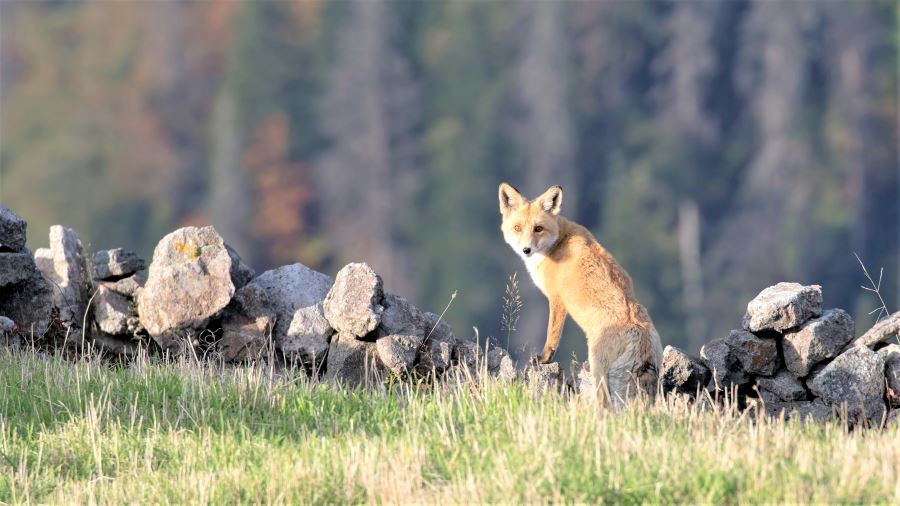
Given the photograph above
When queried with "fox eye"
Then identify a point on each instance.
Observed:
(538, 229)
(518, 228)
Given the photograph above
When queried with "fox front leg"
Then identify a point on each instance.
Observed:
(555, 325)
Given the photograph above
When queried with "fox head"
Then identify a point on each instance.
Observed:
(530, 227)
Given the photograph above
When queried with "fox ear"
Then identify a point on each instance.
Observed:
(551, 200)
(510, 198)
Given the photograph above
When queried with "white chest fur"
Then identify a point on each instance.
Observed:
(531, 263)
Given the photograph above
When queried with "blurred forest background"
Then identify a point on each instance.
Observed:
(714, 147)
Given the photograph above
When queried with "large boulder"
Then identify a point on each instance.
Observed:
(12, 230)
(280, 293)
(817, 340)
(398, 352)
(855, 378)
(16, 267)
(307, 337)
(30, 305)
(888, 328)
(188, 284)
(241, 273)
(117, 263)
(726, 368)
(114, 313)
(353, 362)
(63, 264)
(500, 364)
(682, 373)
(783, 306)
(354, 303)
(783, 385)
(814, 410)
(406, 327)
(891, 356)
(756, 355)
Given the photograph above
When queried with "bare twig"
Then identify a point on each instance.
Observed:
(875, 288)
(441, 316)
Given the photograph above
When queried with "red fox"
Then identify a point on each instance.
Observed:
(580, 278)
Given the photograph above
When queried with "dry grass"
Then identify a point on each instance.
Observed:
(191, 433)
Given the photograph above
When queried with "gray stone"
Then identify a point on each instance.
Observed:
(682, 373)
(30, 305)
(854, 378)
(468, 354)
(12, 230)
(16, 267)
(241, 273)
(280, 293)
(63, 264)
(114, 313)
(806, 411)
(8, 333)
(128, 287)
(756, 355)
(438, 347)
(188, 284)
(816, 341)
(783, 306)
(886, 329)
(244, 338)
(308, 336)
(398, 352)
(784, 385)
(401, 317)
(111, 264)
(545, 376)
(500, 364)
(891, 356)
(354, 303)
(725, 367)
(353, 362)
(583, 381)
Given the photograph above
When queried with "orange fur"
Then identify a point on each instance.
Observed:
(583, 280)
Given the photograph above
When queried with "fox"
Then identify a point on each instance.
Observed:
(581, 279)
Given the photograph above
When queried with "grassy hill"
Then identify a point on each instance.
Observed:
(186, 432)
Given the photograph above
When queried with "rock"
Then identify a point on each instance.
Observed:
(16, 267)
(12, 230)
(114, 313)
(854, 378)
(816, 341)
(892, 419)
(114, 345)
(756, 355)
(112, 264)
(725, 367)
(439, 345)
(545, 376)
(500, 364)
(63, 264)
(188, 284)
(280, 293)
(806, 411)
(241, 273)
(401, 317)
(891, 356)
(245, 338)
(398, 352)
(783, 306)
(583, 381)
(468, 354)
(353, 362)
(8, 335)
(30, 305)
(783, 385)
(682, 373)
(886, 329)
(307, 337)
(354, 303)
(128, 287)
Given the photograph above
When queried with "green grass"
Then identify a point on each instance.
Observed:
(189, 433)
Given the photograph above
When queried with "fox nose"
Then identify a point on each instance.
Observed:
(527, 251)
